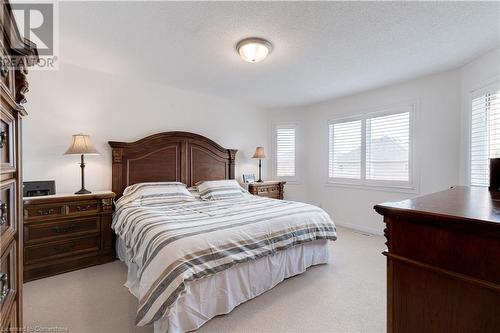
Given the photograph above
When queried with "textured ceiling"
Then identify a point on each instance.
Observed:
(321, 50)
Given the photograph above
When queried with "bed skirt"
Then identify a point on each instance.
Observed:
(220, 293)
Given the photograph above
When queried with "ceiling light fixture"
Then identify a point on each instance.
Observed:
(254, 49)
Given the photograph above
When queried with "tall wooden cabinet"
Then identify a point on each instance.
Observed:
(16, 55)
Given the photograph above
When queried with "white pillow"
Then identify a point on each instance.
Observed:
(220, 189)
(139, 186)
(166, 191)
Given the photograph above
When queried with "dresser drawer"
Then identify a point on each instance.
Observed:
(267, 189)
(83, 207)
(8, 223)
(44, 212)
(272, 195)
(35, 253)
(54, 230)
(7, 141)
(8, 279)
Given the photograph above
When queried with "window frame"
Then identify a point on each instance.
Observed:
(276, 126)
(342, 180)
(410, 186)
(486, 87)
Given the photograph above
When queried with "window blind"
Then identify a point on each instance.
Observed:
(485, 135)
(285, 151)
(388, 147)
(345, 150)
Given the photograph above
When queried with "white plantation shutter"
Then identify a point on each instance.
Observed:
(485, 133)
(285, 151)
(373, 149)
(345, 150)
(388, 147)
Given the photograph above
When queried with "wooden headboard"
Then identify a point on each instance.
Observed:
(170, 156)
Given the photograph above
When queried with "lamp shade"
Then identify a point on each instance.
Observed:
(259, 153)
(81, 145)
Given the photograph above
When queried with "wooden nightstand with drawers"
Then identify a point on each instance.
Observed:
(66, 232)
(270, 189)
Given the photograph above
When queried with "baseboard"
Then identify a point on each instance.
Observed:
(358, 227)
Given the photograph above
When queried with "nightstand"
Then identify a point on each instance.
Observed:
(270, 189)
(66, 232)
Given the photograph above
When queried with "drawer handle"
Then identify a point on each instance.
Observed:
(3, 67)
(3, 139)
(83, 208)
(46, 212)
(64, 248)
(61, 230)
(4, 280)
(3, 213)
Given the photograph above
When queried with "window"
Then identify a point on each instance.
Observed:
(373, 149)
(485, 133)
(345, 150)
(285, 151)
(388, 147)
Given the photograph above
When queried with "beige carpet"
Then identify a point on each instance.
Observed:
(348, 295)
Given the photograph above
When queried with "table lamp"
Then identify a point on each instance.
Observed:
(259, 153)
(82, 145)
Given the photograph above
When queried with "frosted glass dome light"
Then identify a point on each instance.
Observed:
(254, 49)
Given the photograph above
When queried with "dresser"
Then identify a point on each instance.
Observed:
(443, 262)
(270, 189)
(16, 55)
(65, 232)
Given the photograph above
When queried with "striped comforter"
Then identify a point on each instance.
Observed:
(172, 243)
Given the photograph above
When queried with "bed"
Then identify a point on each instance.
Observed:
(189, 259)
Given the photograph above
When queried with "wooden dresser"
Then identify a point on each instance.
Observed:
(16, 55)
(443, 262)
(66, 232)
(270, 189)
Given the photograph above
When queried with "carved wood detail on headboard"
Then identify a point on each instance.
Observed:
(170, 156)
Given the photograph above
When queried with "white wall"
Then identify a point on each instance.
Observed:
(74, 99)
(437, 136)
(475, 75)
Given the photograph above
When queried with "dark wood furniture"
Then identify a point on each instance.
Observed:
(170, 156)
(16, 54)
(67, 232)
(443, 262)
(270, 189)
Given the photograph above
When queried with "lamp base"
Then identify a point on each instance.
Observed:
(83, 191)
(259, 181)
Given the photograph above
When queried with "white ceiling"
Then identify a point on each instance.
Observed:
(321, 50)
